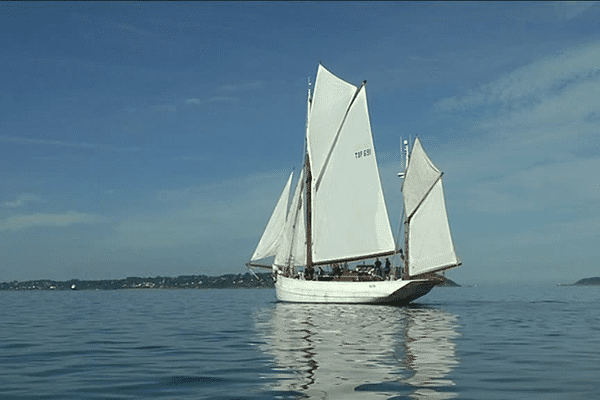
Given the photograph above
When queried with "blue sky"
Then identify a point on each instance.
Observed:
(145, 139)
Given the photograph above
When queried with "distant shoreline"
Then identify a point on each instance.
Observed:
(231, 281)
(228, 281)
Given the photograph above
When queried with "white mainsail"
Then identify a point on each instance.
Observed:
(430, 247)
(271, 238)
(349, 215)
(330, 101)
(292, 250)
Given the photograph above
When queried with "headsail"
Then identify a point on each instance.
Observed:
(349, 215)
(271, 238)
(292, 250)
(430, 246)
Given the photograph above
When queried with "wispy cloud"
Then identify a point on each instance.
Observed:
(215, 99)
(195, 101)
(227, 93)
(81, 145)
(551, 233)
(22, 200)
(558, 186)
(567, 10)
(527, 170)
(22, 222)
(235, 210)
(253, 85)
(534, 82)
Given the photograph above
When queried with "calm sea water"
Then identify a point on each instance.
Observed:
(486, 342)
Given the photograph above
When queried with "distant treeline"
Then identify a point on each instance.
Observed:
(246, 280)
(231, 281)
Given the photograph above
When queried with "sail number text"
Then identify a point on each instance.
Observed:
(362, 153)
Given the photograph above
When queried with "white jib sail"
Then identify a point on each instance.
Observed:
(430, 246)
(269, 242)
(292, 250)
(349, 215)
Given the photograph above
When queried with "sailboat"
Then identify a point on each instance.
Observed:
(338, 220)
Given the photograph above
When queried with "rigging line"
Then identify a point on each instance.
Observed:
(337, 136)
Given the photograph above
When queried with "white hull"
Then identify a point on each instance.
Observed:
(382, 292)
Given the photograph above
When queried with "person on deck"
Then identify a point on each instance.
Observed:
(308, 273)
(378, 267)
(337, 271)
(386, 270)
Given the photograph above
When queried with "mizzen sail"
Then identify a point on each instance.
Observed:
(429, 241)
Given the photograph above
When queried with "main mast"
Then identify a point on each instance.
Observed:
(404, 163)
(309, 262)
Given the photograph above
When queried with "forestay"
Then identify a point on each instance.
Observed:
(270, 240)
(430, 246)
(349, 215)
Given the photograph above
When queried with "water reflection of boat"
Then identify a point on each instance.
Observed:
(430, 351)
(359, 351)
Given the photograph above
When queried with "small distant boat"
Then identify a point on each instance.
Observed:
(338, 214)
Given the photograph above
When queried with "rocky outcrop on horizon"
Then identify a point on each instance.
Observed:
(588, 281)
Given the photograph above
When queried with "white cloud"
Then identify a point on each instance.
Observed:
(559, 187)
(233, 210)
(571, 113)
(22, 200)
(215, 99)
(227, 93)
(253, 85)
(21, 222)
(533, 82)
(567, 10)
(541, 120)
(194, 101)
(551, 233)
